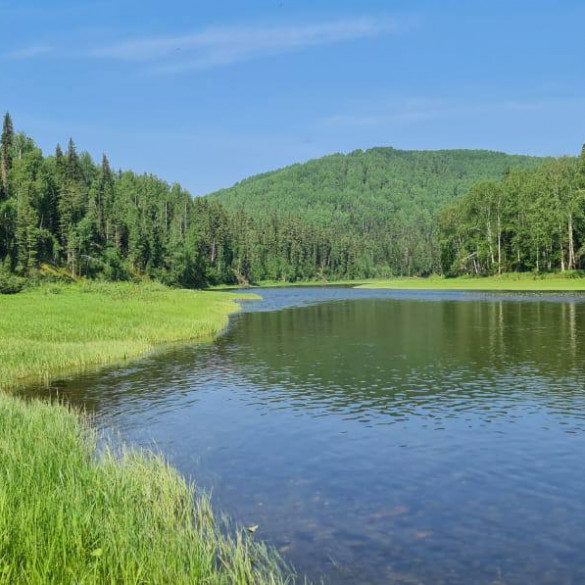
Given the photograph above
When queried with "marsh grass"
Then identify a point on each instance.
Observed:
(297, 284)
(54, 330)
(68, 516)
(71, 515)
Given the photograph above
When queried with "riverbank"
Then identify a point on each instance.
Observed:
(283, 284)
(505, 282)
(70, 516)
(55, 330)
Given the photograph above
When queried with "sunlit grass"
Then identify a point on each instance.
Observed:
(60, 329)
(300, 283)
(68, 516)
(505, 282)
(570, 281)
(71, 515)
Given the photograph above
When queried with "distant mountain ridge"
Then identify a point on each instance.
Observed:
(463, 167)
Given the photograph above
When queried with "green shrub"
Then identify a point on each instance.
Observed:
(11, 284)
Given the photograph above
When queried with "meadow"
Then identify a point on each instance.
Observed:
(53, 330)
(569, 281)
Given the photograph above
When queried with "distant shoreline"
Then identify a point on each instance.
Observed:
(506, 282)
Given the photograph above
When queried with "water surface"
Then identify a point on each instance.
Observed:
(380, 436)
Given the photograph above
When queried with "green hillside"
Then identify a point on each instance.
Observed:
(385, 199)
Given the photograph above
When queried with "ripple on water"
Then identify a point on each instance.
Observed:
(380, 436)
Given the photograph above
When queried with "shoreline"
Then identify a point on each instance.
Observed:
(53, 331)
(70, 514)
(505, 283)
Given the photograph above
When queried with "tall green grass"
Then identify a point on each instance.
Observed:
(53, 330)
(68, 516)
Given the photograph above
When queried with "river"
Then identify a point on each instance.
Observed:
(378, 436)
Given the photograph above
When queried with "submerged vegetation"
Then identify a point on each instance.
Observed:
(68, 516)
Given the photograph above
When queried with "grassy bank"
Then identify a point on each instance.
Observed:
(282, 284)
(506, 282)
(54, 330)
(69, 515)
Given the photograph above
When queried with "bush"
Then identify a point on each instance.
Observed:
(10, 284)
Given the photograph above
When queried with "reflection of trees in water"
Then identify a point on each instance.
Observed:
(396, 356)
(364, 357)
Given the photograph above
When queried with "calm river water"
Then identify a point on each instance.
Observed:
(378, 436)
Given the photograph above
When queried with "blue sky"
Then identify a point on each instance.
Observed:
(208, 92)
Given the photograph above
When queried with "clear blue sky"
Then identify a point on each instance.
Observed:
(208, 92)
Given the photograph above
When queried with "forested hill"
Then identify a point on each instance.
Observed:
(384, 200)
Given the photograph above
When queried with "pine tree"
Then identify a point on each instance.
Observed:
(6, 146)
(582, 168)
(72, 166)
(72, 205)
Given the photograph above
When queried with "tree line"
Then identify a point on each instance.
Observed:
(532, 220)
(377, 210)
(66, 216)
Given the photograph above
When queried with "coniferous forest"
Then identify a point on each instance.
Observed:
(376, 213)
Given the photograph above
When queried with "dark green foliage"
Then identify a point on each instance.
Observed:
(365, 214)
(9, 283)
(66, 212)
(6, 155)
(532, 220)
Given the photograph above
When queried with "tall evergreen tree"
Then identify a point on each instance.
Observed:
(582, 168)
(6, 155)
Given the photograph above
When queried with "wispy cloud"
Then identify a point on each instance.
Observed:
(399, 112)
(220, 46)
(388, 113)
(31, 52)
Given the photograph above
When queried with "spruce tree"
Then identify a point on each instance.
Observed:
(582, 168)
(6, 145)
(72, 166)
(108, 195)
(72, 205)
(59, 158)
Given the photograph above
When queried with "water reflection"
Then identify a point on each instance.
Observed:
(380, 437)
